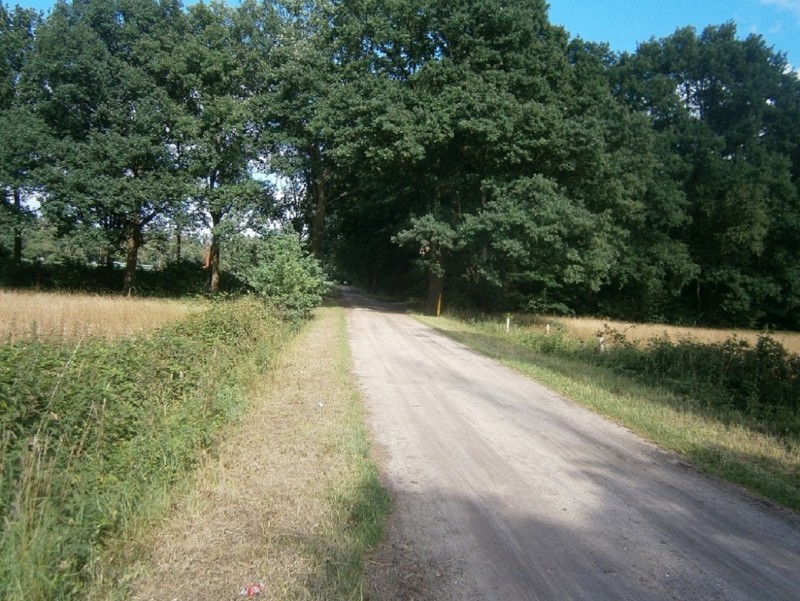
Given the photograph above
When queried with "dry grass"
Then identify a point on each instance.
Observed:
(275, 505)
(70, 316)
(586, 328)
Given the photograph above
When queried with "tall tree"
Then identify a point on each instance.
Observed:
(651, 264)
(215, 77)
(714, 100)
(484, 123)
(115, 159)
(306, 108)
(21, 133)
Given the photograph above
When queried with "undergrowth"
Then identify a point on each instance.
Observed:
(737, 381)
(94, 430)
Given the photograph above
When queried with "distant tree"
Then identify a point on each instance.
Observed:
(715, 102)
(115, 161)
(22, 135)
(433, 239)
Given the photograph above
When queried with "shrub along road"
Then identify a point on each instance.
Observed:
(505, 490)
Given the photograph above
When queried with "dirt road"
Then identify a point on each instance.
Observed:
(504, 490)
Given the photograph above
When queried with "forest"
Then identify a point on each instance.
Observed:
(468, 148)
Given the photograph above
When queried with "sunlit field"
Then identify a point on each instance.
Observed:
(68, 316)
(585, 328)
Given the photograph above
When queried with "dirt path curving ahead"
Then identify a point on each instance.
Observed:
(504, 490)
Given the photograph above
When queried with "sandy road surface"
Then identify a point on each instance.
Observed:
(503, 490)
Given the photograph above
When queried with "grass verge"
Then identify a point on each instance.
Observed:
(95, 433)
(718, 442)
(292, 498)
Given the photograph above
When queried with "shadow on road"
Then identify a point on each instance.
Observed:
(450, 547)
(501, 490)
(739, 467)
(349, 297)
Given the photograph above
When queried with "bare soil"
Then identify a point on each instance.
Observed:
(505, 490)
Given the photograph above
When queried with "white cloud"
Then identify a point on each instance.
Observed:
(788, 5)
(776, 28)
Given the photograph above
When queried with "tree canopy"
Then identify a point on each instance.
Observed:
(462, 148)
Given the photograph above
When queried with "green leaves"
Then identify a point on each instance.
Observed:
(282, 273)
(522, 163)
(114, 155)
(431, 238)
(536, 241)
(712, 99)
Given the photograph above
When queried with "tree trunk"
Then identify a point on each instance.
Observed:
(435, 289)
(17, 227)
(213, 253)
(134, 241)
(178, 244)
(320, 201)
(213, 264)
(699, 302)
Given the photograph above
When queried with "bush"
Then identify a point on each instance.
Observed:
(733, 378)
(282, 273)
(761, 381)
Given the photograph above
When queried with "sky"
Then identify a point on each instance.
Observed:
(625, 23)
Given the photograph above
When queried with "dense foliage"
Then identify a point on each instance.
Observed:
(74, 475)
(279, 271)
(464, 147)
(757, 384)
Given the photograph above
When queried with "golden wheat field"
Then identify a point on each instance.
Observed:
(586, 328)
(69, 316)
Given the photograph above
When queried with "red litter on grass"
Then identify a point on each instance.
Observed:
(251, 590)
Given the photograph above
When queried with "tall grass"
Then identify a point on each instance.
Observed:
(586, 328)
(58, 316)
(731, 407)
(93, 430)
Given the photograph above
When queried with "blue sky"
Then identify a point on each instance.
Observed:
(625, 23)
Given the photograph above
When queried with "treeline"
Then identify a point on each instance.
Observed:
(464, 146)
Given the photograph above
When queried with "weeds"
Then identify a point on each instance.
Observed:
(733, 378)
(94, 429)
(759, 383)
